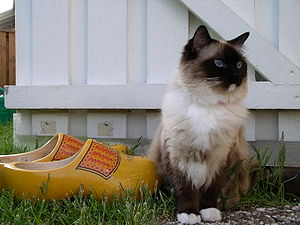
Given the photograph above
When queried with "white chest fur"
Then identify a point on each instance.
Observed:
(192, 128)
(216, 124)
(197, 124)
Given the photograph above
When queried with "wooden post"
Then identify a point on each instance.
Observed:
(3, 58)
(7, 58)
(12, 59)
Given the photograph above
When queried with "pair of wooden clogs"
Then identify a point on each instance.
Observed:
(64, 163)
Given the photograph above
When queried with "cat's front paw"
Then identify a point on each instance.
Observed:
(190, 218)
(210, 214)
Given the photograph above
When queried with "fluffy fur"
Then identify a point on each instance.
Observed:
(201, 135)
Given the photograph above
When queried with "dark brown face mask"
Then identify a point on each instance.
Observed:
(227, 66)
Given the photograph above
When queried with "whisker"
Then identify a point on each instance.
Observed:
(215, 84)
(211, 78)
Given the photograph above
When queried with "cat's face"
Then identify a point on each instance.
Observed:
(219, 65)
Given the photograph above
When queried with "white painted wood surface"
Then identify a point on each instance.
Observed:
(77, 125)
(91, 56)
(289, 124)
(153, 121)
(266, 125)
(50, 38)
(289, 18)
(136, 41)
(136, 124)
(244, 9)
(167, 31)
(23, 42)
(23, 122)
(289, 121)
(262, 95)
(107, 41)
(78, 42)
(266, 20)
(47, 124)
(133, 96)
(250, 126)
(106, 125)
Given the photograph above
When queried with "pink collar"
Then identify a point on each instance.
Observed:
(221, 103)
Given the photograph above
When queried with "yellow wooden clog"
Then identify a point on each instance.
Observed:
(61, 146)
(97, 167)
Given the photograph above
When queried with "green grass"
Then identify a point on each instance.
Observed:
(6, 140)
(267, 191)
(85, 210)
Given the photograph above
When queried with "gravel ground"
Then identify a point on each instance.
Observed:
(289, 214)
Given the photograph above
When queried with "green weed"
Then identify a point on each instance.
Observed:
(86, 210)
(268, 189)
(6, 139)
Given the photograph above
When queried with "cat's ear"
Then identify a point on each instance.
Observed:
(201, 38)
(240, 40)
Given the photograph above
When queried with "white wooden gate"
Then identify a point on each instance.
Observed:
(98, 68)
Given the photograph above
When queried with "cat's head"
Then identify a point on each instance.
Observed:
(218, 65)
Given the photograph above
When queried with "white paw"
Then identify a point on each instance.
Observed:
(188, 218)
(210, 214)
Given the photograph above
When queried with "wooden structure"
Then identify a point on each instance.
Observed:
(7, 58)
(98, 68)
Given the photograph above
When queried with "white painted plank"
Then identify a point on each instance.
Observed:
(77, 123)
(136, 124)
(78, 42)
(262, 95)
(195, 22)
(137, 41)
(250, 127)
(266, 19)
(251, 73)
(22, 122)
(167, 32)
(244, 8)
(86, 96)
(289, 123)
(106, 125)
(107, 41)
(266, 125)
(289, 32)
(23, 42)
(260, 53)
(265, 95)
(50, 41)
(47, 123)
(153, 121)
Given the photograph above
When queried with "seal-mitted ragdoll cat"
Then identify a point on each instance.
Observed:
(201, 136)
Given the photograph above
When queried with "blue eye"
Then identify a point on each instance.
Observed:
(219, 63)
(239, 65)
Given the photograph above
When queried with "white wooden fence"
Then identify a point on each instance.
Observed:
(98, 68)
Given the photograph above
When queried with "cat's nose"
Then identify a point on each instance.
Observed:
(236, 73)
(238, 81)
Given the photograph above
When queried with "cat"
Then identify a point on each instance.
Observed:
(201, 134)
